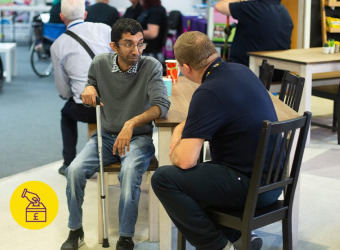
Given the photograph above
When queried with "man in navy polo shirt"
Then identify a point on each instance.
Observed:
(227, 110)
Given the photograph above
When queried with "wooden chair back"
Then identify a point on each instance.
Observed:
(291, 90)
(266, 74)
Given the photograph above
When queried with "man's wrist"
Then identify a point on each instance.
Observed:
(129, 124)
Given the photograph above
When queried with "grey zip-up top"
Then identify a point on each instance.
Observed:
(128, 95)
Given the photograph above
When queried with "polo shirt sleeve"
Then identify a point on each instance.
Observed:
(205, 117)
(243, 11)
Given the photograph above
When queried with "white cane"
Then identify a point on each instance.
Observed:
(102, 191)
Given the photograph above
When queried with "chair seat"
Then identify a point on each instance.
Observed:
(330, 89)
(326, 75)
(330, 92)
(263, 216)
(111, 173)
(115, 167)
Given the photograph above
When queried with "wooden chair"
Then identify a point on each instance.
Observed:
(291, 90)
(252, 218)
(331, 92)
(266, 74)
(111, 173)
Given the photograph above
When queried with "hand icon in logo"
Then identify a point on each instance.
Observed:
(31, 197)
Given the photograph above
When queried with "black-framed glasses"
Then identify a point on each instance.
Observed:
(131, 46)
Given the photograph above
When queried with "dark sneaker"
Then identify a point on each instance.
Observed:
(256, 242)
(74, 241)
(62, 169)
(125, 243)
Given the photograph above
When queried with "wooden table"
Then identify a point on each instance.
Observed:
(181, 96)
(304, 62)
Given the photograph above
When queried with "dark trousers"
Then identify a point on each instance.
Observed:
(185, 193)
(70, 115)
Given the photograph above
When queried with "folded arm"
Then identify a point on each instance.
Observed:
(125, 135)
(184, 153)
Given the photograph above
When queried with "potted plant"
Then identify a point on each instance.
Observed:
(325, 48)
(331, 46)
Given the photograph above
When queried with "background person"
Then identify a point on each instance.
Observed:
(154, 22)
(102, 12)
(55, 12)
(70, 64)
(227, 110)
(133, 11)
(262, 25)
(133, 94)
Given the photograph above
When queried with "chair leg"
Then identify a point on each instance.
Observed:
(153, 212)
(337, 117)
(100, 209)
(287, 237)
(334, 116)
(181, 242)
(246, 239)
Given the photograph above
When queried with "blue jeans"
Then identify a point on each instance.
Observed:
(134, 165)
(185, 193)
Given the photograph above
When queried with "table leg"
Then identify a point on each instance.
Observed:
(153, 214)
(306, 99)
(8, 66)
(164, 137)
(253, 67)
(14, 60)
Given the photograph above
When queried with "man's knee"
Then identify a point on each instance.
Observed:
(161, 176)
(74, 170)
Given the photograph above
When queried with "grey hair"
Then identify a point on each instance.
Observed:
(73, 9)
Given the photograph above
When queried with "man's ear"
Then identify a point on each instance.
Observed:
(186, 68)
(62, 17)
(113, 46)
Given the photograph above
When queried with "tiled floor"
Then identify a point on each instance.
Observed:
(319, 222)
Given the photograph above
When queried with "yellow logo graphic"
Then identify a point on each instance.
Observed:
(34, 205)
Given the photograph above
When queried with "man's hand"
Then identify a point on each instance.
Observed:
(123, 139)
(125, 135)
(89, 96)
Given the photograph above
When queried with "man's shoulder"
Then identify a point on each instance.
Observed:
(149, 61)
(59, 40)
(103, 57)
(96, 26)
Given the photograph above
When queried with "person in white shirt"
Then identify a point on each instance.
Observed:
(71, 63)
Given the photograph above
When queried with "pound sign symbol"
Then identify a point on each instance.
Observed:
(36, 216)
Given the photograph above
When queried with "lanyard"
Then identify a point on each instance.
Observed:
(74, 24)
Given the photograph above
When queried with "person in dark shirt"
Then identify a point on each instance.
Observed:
(154, 22)
(55, 12)
(133, 11)
(102, 12)
(262, 25)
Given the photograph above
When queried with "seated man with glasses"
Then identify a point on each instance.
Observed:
(133, 94)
